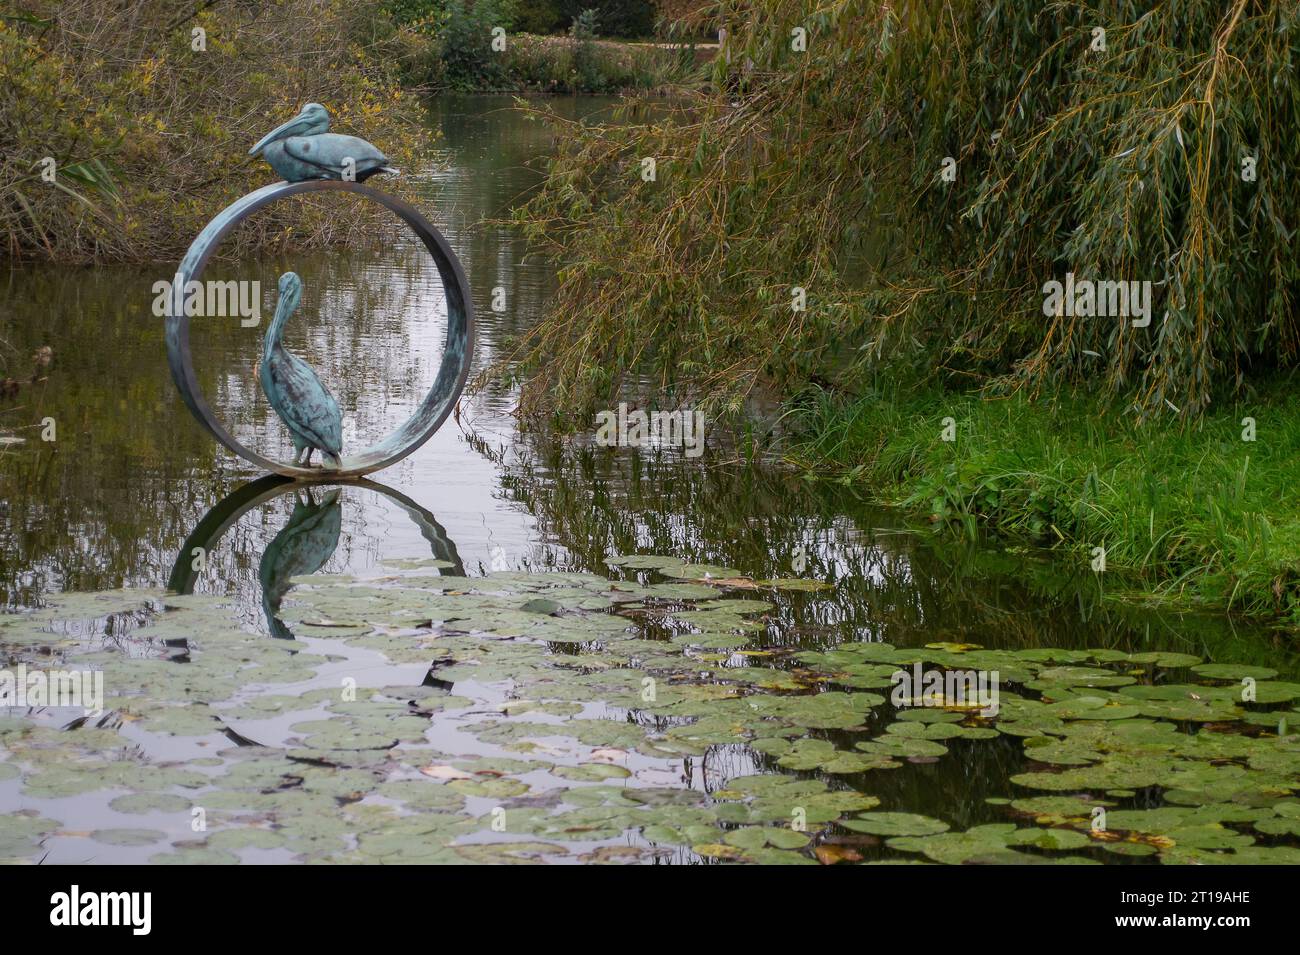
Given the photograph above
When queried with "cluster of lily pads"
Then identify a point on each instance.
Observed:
(554, 716)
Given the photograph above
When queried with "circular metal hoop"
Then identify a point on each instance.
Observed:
(437, 404)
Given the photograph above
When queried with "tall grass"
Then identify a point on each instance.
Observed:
(1197, 512)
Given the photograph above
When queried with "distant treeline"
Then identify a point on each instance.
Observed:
(621, 19)
(537, 45)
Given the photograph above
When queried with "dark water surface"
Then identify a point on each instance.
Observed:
(132, 484)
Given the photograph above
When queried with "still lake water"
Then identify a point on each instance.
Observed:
(132, 484)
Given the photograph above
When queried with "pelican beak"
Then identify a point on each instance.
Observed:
(299, 124)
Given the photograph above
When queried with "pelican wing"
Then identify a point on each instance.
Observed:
(306, 407)
(328, 151)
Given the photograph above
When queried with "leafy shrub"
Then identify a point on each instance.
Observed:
(540, 17)
(414, 11)
(583, 32)
(149, 135)
(465, 42)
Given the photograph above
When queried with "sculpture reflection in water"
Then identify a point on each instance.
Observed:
(301, 548)
(306, 542)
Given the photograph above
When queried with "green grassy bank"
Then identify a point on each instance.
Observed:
(1190, 511)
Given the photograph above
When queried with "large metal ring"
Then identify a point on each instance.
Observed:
(435, 407)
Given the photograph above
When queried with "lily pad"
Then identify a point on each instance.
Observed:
(895, 824)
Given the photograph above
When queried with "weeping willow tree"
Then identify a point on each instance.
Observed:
(921, 170)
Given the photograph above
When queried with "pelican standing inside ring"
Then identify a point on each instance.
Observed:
(305, 406)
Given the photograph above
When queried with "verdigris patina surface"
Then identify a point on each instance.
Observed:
(280, 147)
(296, 394)
(304, 148)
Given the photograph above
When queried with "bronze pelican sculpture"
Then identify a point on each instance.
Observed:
(301, 548)
(308, 410)
(304, 148)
